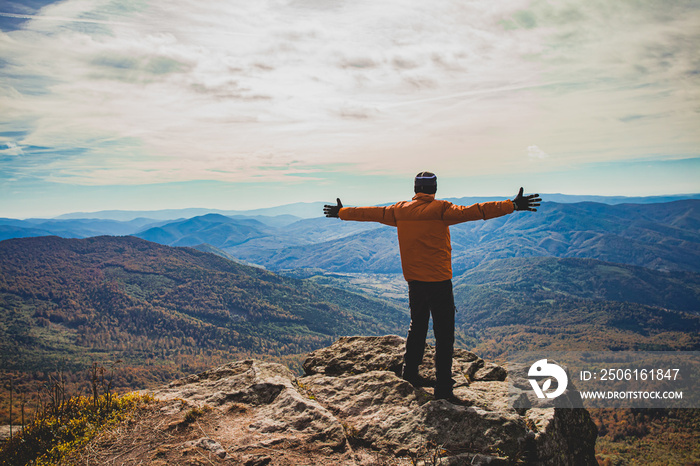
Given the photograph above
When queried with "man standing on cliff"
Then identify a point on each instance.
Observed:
(426, 259)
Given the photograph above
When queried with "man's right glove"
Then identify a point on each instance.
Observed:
(526, 202)
(332, 210)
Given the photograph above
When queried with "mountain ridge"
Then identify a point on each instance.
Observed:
(297, 209)
(313, 209)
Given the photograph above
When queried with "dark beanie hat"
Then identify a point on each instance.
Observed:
(425, 182)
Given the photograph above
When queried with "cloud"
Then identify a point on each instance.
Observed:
(535, 152)
(11, 149)
(61, 19)
(185, 90)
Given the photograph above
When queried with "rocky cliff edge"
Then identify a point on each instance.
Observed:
(351, 408)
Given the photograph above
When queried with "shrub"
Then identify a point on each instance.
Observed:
(64, 423)
(52, 435)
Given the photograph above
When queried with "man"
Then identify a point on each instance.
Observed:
(426, 259)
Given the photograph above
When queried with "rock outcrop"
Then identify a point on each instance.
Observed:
(352, 408)
(357, 379)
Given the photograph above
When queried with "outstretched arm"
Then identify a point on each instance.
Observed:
(526, 202)
(488, 210)
(383, 215)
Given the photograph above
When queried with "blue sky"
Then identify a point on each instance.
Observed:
(145, 105)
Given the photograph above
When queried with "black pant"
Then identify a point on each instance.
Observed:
(426, 298)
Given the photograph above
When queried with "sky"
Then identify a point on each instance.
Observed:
(153, 104)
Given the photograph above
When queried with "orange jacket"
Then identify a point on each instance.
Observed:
(423, 230)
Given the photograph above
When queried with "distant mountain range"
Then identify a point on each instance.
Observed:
(89, 227)
(78, 228)
(291, 212)
(571, 199)
(659, 236)
(663, 236)
(648, 233)
(298, 209)
(214, 229)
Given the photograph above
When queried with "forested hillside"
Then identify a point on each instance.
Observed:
(163, 311)
(523, 304)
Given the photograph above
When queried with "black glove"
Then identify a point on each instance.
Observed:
(526, 202)
(332, 210)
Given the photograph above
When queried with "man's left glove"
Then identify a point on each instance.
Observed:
(332, 210)
(526, 202)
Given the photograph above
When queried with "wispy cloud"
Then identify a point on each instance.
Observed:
(11, 149)
(535, 152)
(182, 90)
(62, 19)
